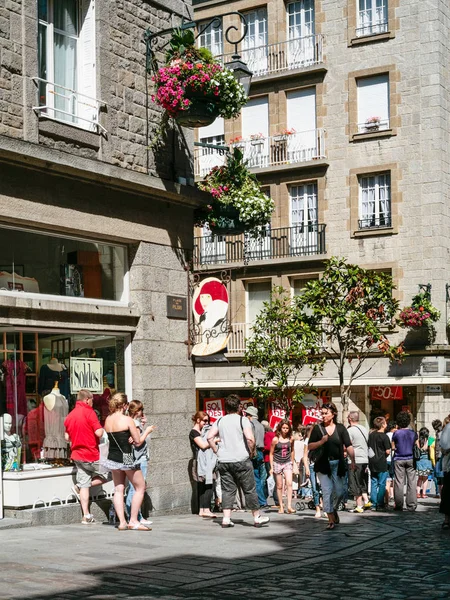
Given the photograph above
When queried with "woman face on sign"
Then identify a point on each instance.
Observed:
(205, 300)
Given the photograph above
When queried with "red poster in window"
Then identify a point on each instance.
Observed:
(386, 392)
(277, 414)
(214, 408)
(246, 402)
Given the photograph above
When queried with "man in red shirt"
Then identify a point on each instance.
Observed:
(83, 430)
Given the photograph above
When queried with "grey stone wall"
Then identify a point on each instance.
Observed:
(163, 377)
(122, 84)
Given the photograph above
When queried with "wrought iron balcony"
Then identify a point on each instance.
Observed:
(281, 57)
(267, 152)
(375, 222)
(283, 242)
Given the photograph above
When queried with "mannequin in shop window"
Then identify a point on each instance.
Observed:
(11, 446)
(56, 410)
(51, 372)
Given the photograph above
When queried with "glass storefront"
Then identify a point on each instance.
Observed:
(40, 263)
(40, 375)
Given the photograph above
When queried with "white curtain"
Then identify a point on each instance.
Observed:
(65, 21)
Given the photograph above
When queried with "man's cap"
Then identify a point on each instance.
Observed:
(252, 411)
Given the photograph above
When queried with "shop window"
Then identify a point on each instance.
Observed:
(40, 375)
(38, 263)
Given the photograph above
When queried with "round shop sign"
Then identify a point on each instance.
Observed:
(210, 309)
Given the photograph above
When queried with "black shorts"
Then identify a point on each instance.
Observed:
(357, 480)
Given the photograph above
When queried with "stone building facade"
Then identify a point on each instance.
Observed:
(95, 232)
(364, 175)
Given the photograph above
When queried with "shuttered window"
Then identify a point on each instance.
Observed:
(257, 294)
(255, 117)
(66, 46)
(373, 102)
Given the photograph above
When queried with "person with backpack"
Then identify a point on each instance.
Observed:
(234, 453)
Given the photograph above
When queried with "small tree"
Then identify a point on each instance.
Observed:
(352, 308)
(343, 317)
(281, 344)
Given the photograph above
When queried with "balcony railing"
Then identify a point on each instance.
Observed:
(380, 125)
(69, 106)
(375, 222)
(283, 242)
(283, 56)
(267, 152)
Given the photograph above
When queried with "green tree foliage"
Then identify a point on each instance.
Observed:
(343, 317)
(281, 344)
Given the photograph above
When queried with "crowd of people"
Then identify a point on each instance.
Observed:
(240, 462)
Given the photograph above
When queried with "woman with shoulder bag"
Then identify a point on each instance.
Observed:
(328, 442)
(121, 429)
(199, 444)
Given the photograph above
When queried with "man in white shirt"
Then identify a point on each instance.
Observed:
(237, 443)
(358, 477)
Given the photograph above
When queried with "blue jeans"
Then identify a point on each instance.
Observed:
(130, 494)
(259, 470)
(314, 487)
(333, 489)
(378, 488)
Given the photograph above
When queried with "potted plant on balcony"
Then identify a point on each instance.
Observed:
(193, 88)
(257, 139)
(237, 202)
(283, 135)
(237, 142)
(372, 124)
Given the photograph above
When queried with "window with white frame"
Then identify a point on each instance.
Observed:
(373, 103)
(372, 17)
(255, 50)
(375, 201)
(211, 37)
(66, 57)
(301, 45)
(304, 223)
(207, 158)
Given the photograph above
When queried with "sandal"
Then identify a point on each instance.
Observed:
(139, 527)
(291, 511)
(227, 524)
(281, 511)
(122, 528)
(330, 526)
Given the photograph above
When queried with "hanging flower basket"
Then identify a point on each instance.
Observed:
(237, 202)
(421, 312)
(193, 87)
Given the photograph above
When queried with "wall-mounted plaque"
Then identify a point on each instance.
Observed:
(176, 307)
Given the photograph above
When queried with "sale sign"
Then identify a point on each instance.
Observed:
(386, 392)
(214, 408)
(277, 414)
(311, 411)
(245, 403)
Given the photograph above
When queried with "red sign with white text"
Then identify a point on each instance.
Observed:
(386, 392)
(247, 402)
(214, 408)
(277, 414)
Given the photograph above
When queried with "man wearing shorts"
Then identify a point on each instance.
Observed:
(236, 444)
(83, 431)
(358, 478)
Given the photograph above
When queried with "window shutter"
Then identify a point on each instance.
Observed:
(301, 109)
(255, 117)
(258, 293)
(373, 98)
(87, 108)
(216, 129)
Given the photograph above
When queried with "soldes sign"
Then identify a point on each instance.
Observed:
(86, 373)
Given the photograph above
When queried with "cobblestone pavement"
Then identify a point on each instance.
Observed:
(398, 556)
